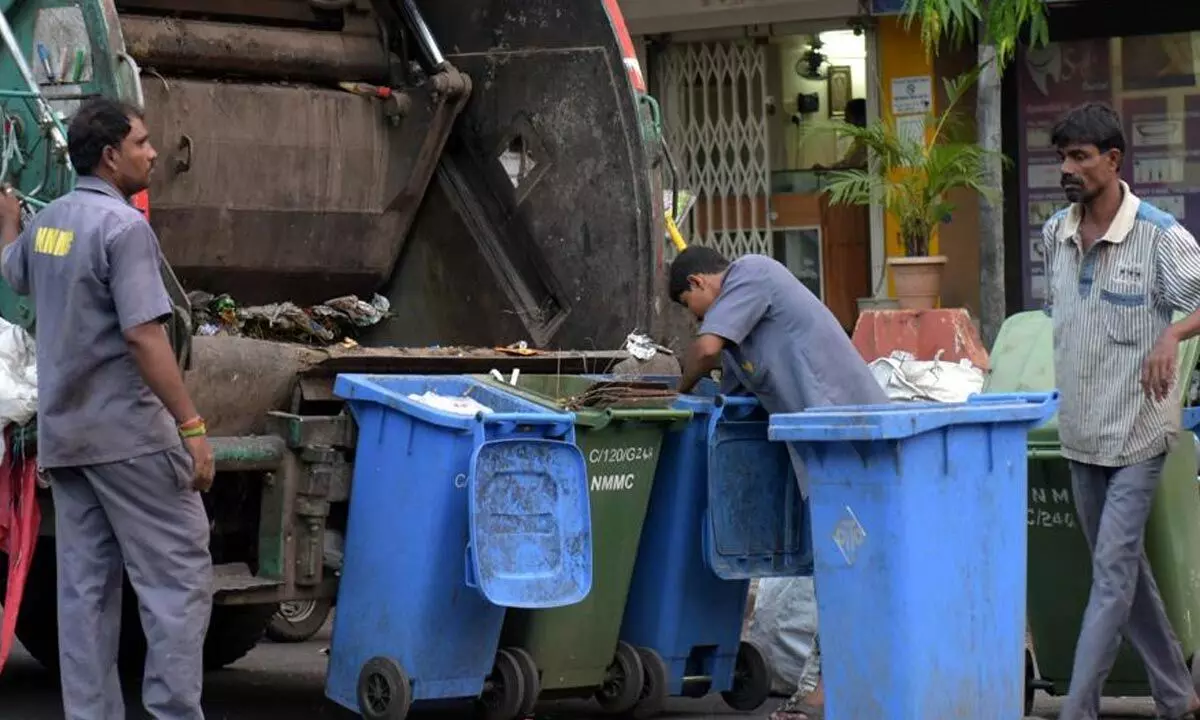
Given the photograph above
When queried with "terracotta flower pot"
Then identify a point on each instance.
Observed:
(918, 281)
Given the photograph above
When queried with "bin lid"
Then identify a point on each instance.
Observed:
(757, 524)
(530, 518)
(905, 420)
(555, 391)
(461, 396)
(1023, 361)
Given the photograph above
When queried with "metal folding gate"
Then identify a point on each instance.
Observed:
(713, 97)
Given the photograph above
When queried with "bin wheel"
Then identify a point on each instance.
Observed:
(751, 680)
(531, 676)
(1030, 684)
(623, 682)
(504, 690)
(384, 692)
(654, 689)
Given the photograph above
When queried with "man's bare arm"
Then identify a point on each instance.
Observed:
(155, 359)
(703, 357)
(10, 217)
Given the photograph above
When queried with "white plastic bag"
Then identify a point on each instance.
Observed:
(18, 377)
(904, 378)
(784, 625)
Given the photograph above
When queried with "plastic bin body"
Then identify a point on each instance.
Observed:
(1059, 570)
(677, 604)
(574, 646)
(451, 518)
(918, 516)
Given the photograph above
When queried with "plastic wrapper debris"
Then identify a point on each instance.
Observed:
(905, 378)
(642, 347)
(326, 323)
(466, 406)
(18, 377)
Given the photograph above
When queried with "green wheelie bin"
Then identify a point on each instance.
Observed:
(576, 649)
(1060, 578)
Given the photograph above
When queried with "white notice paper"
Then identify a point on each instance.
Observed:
(912, 95)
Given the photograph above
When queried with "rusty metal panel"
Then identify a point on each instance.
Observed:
(273, 192)
(170, 45)
(283, 11)
(567, 258)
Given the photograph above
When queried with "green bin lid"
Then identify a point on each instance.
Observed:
(1022, 360)
(555, 391)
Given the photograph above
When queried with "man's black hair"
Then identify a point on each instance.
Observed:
(1091, 124)
(856, 112)
(99, 123)
(694, 261)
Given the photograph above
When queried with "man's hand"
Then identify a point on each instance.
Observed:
(10, 206)
(702, 357)
(203, 466)
(10, 216)
(1158, 373)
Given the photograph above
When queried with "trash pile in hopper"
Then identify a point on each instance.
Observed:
(322, 324)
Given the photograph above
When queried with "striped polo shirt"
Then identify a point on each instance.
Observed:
(1110, 305)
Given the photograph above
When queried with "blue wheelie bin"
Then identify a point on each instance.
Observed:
(725, 508)
(466, 500)
(919, 527)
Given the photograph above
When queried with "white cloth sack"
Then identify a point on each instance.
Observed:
(18, 377)
(906, 379)
(783, 625)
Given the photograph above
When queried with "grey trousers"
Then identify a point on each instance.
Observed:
(1114, 505)
(143, 516)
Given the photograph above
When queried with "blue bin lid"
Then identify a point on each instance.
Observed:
(896, 421)
(531, 530)
(1191, 418)
(393, 391)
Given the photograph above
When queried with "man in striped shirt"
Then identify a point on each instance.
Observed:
(1117, 268)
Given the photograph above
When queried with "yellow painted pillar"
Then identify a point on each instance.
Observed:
(901, 55)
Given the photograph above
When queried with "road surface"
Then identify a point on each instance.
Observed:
(285, 681)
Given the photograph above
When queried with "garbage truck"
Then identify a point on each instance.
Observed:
(488, 173)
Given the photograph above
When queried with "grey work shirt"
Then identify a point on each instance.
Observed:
(91, 263)
(1110, 305)
(784, 345)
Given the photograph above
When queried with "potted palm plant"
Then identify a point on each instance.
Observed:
(912, 175)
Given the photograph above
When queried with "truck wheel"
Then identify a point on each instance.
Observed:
(233, 631)
(37, 622)
(298, 620)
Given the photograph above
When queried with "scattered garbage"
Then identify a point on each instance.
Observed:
(459, 405)
(518, 348)
(326, 323)
(905, 378)
(642, 347)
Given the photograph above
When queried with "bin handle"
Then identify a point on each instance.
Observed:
(469, 578)
(730, 407)
(557, 425)
(737, 407)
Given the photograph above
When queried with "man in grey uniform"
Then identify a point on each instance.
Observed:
(112, 412)
(1116, 270)
(777, 340)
